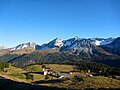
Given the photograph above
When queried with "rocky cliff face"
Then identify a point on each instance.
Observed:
(113, 47)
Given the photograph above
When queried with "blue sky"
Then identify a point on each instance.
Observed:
(43, 20)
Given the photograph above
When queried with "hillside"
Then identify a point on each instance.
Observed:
(15, 79)
(63, 51)
(89, 83)
(53, 56)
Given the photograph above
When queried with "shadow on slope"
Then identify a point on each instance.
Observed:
(6, 84)
(16, 58)
(48, 81)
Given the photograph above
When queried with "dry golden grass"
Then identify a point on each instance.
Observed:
(89, 82)
(101, 82)
(60, 67)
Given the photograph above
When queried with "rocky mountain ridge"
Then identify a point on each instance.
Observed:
(76, 44)
(61, 51)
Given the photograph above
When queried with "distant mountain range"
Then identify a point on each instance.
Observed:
(59, 43)
(76, 44)
(58, 50)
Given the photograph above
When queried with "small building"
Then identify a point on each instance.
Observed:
(62, 76)
(45, 72)
(43, 69)
(88, 71)
(70, 73)
(90, 75)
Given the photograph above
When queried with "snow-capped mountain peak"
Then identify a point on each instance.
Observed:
(71, 41)
(58, 42)
(69, 44)
(76, 38)
(24, 45)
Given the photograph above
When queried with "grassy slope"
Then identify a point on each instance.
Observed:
(60, 67)
(14, 73)
(89, 82)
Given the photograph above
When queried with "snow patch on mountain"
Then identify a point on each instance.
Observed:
(24, 45)
(102, 41)
(71, 41)
(97, 42)
(58, 42)
(68, 44)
